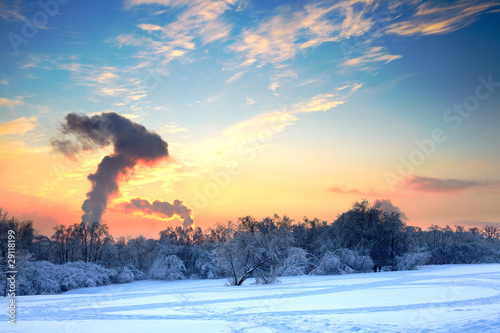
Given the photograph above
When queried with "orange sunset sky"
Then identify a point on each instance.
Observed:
(298, 108)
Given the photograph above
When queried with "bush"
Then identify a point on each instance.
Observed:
(38, 278)
(125, 276)
(410, 260)
(358, 263)
(138, 274)
(43, 277)
(296, 263)
(343, 261)
(81, 275)
(330, 265)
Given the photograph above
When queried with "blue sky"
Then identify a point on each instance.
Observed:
(316, 101)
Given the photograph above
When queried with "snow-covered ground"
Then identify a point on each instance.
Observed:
(452, 298)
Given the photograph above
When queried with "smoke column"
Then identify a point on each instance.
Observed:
(161, 208)
(132, 143)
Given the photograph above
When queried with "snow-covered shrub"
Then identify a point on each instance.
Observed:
(83, 274)
(125, 276)
(343, 261)
(358, 263)
(410, 260)
(138, 274)
(167, 268)
(38, 278)
(43, 277)
(330, 264)
(296, 263)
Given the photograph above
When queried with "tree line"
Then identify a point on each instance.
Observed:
(365, 238)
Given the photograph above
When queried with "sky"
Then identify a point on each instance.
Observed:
(296, 108)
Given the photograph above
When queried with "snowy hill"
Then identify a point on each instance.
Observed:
(447, 298)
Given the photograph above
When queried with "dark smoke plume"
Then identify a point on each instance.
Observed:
(132, 143)
(160, 208)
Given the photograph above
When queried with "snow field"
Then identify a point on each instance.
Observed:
(448, 298)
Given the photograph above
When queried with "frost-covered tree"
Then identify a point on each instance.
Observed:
(202, 264)
(254, 249)
(296, 263)
(371, 231)
(167, 268)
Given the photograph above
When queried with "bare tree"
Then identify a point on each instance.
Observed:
(490, 231)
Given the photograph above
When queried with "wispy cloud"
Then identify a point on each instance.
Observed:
(327, 101)
(322, 102)
(343, 190)
(288, 33)
(18, 126)
(11, 103)
(443, 185)
(276, 121)
(197, 21)
(307, 82)
(372, 59)
(173, 127)
(128, 85)
(150, 27)
(438, 17)
(11, 11)
(235, 77)
(284, 35)
(279, 78)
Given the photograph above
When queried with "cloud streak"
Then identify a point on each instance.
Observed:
(278, 121)
(374, 55)
(440, 185)
(196, 21)
(18, 126)
(432, 18)
(11, 103)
